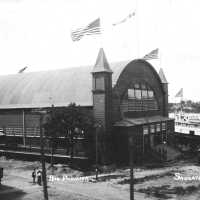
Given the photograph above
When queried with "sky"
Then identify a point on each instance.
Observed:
(37, 34)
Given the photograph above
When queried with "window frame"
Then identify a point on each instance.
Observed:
(152, 128)
(99, 85)
(164, 126)
(145, 130)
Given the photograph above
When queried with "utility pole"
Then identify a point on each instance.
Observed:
(40, 113)
(96, 151)
(23, 128)
(52, 153)
(131, 145)
(52, 141)
(44, 177)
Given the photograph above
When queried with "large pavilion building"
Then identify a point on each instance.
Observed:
(127, 99)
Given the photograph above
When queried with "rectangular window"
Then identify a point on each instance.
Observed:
(145, 130)
(150, 94)
(157, 127)
(152, 128)
(131, 93)
(99, 83)
(163, 126)
(138, 94)
(144, 94)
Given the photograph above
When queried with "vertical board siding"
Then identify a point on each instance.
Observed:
(32, 125)
(12, 123)
(99, 108)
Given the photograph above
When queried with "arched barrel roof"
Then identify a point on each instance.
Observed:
(44, 88)
(58, 87)
(137, 68)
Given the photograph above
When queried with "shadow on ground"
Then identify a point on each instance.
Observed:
(147, 178)
(166, 191)
(10, 193)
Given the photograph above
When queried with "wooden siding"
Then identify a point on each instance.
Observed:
(138, 105)
(32, 123)
(99, 108)
(12, 123)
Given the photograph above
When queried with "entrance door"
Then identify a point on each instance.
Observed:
(152, 141)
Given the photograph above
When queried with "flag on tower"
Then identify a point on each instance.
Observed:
(125, 19)
(179, 93)
(152, 55)
(91, 29)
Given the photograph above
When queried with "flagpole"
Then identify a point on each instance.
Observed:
(160, 58)
(101, 35)
(182, 102)
(137, 28)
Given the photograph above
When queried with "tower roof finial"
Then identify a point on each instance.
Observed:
(101, 64)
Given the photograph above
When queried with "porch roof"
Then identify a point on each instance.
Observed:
(128, 122)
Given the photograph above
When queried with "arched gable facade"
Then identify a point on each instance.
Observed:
(140, 113)
(138, 92)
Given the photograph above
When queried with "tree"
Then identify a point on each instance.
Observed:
(70, 122)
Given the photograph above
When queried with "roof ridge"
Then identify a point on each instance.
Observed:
(64, 69)
(101, 64)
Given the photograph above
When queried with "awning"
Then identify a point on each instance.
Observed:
(128, 122)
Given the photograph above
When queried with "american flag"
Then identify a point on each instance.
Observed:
(179, 93)
(91, 29)
(152, 55)
(125, 19)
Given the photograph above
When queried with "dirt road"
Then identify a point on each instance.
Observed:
(152, 184)
(17, 175)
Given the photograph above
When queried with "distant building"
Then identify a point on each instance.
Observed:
(128, 99)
